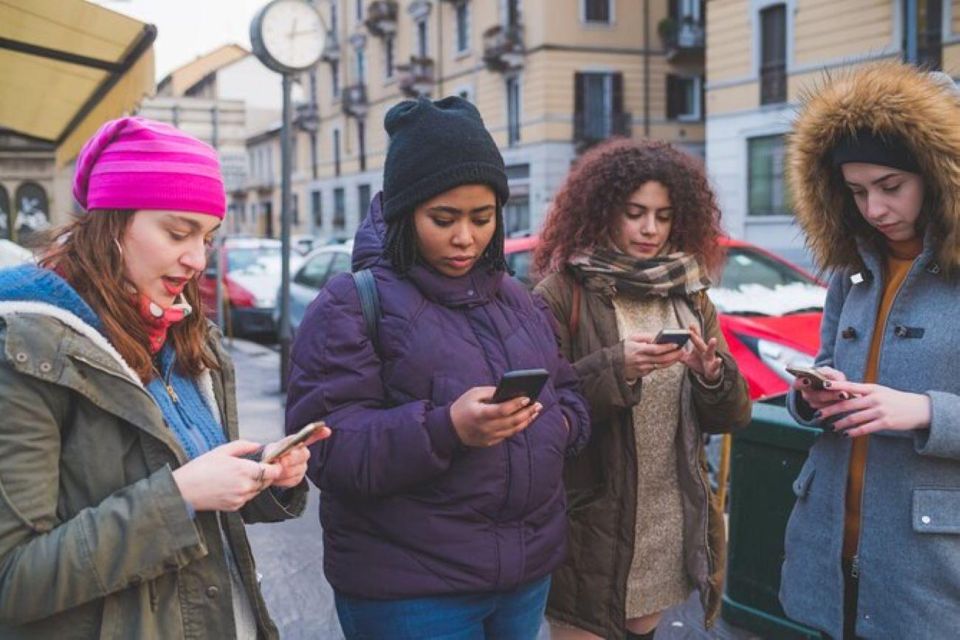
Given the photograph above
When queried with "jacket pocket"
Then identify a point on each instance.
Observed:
(801, 486)
(936, 510)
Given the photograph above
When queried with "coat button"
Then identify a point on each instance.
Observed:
(212, 592)
(925, 519)
(900, 331)
(21, 357)
(849, 333)
(45, 367)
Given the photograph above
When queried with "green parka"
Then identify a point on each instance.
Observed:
(96, 540)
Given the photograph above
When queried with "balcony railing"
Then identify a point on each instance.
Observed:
(589, 129)
(353, 100)
(416, 78)
(331, 49)
(382, 18)
(773, 83)
(306, 117)
(682, 38)
(503, 47)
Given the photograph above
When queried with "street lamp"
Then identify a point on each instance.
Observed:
(287, 37)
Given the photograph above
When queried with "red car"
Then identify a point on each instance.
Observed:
(769, 310)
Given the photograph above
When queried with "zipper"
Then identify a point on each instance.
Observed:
(855, 566)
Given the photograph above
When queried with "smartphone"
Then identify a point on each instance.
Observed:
(678, 337)
(815, 377)
(291, 441)
(522, 382)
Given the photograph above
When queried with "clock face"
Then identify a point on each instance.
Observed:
(292, 33)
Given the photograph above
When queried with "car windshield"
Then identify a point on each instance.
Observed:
(253, 259)
(756, 284)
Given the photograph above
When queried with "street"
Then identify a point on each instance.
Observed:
(290, 554)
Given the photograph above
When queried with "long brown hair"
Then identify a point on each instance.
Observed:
(597, 190)
(86, 254)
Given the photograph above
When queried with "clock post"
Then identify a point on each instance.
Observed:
(287, 36)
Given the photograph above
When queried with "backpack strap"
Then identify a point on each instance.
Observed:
(369, 304)
(574, 321)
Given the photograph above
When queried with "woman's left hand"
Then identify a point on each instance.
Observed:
(873, 407)
(702, 359)
(293, 464)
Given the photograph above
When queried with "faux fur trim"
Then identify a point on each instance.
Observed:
(19, 307)
(205, 386)
(888, 98)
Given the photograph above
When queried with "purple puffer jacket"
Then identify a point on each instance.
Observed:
(408, 510)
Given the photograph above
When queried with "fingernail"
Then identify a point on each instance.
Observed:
(805, 382)
(844, 395)
(526, 401)
(818, 415)
(827, 384)
(538, 407)
(845, 434)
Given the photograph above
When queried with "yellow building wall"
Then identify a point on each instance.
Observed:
(728, 40)
(826, 30)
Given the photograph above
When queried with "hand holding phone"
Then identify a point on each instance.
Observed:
(288, 443)
(520, 383)
(678, 337)
(810, 374)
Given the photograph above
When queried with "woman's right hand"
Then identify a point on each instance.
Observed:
(641, 355)
(222, 480)
(481, 424)
(826, 397)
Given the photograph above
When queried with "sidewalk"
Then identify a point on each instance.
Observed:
(290, 554)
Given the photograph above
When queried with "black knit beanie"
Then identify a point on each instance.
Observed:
(434, 147)
(872, 148)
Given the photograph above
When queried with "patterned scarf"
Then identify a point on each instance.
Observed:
(610, 271)
(158, 320)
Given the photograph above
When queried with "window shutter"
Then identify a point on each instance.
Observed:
(617, 84)
(673, 96)
(579, 117)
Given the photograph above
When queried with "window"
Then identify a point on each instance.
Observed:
(684, 98)
(295, 217)
(339, 210)
(313, 274)
(516, 214)
(362, 144)
(361, 60)
(335, 80)
(513, 110)
(293, 151)
(267, 209)
(316, 208)
(773, 54)
(359, 5)
(342, 263)
(768, 195)
(336, 152)
(928, 25)
(463, 28)
(388, 51)
(422, 38)
(596, 11)
(512, 13)
(334, 27)
(598, 107)
(363, 200)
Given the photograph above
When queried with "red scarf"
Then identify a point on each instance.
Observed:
(158, 320)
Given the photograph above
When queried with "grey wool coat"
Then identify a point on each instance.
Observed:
(909, 546)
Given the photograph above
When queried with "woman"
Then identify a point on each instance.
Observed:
(122, 497)
(628, 244)
(872, 546)
(442, 512)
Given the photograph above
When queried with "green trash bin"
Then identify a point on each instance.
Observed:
(765, 459)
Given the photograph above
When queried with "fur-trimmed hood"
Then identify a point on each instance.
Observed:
(891, 99)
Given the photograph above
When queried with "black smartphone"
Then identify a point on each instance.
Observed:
(678, 337)
(522, 382)
(809, 373)
(291, 441)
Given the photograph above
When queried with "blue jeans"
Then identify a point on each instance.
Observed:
(506, 615)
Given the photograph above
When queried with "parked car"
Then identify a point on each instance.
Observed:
(12, 254)
(769, 310)
(251, 274)
(317, 268)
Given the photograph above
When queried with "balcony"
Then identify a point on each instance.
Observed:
(683, 40)
(589, 129)
(416, 78)
(419, 10)
(331, 49)
(306, 117)
(353, 100)
(503, 47)
(382, 18)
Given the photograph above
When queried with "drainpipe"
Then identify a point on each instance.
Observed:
(646, 68)
(910, 25)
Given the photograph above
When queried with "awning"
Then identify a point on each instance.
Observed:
(67, 66)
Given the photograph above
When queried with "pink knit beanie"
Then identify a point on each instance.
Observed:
(135, 163)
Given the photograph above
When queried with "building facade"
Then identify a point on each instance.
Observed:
(762, 55)
(550, 77)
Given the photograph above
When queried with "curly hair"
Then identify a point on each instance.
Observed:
(596, 192)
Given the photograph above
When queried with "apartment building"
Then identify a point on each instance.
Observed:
(550, 77)
(762, 55)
